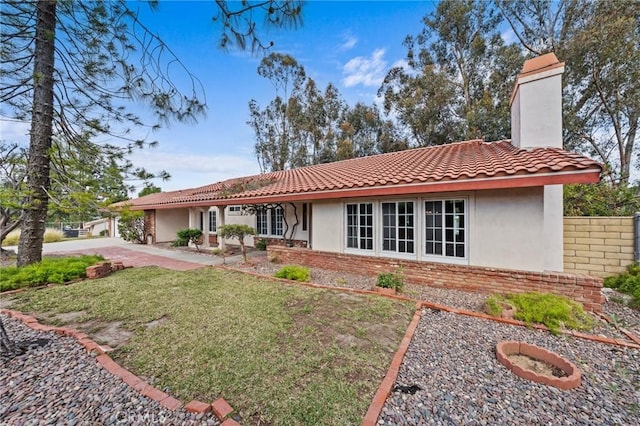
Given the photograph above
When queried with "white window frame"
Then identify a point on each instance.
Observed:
(415, 230)
(273, 218)
(213, 214)
(234, 210)
(443, 258)
(358, 227)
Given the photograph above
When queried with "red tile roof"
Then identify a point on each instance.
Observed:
(467, 166)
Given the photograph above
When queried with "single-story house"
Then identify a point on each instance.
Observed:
(473, 215)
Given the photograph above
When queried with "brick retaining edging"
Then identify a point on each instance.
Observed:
(220, 408)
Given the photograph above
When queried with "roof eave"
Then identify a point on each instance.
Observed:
(591, 175)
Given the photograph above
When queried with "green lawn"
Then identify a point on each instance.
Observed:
(277, 353)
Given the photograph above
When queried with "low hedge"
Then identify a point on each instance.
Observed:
(56, 270)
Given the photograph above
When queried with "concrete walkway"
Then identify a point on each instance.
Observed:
(138, 254)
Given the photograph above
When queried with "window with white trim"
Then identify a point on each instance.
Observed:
(360, 226)
(234, 210)
(201, 221)
(270, 222)
(213, 221)
(445, 228)
(398, 223)
(277, 221)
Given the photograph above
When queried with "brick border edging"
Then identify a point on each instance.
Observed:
(220, 408)
(385, 388)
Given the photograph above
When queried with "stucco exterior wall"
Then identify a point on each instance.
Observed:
(536, 110)
(507, 229)
(327, 229)
(168, 222)
(598, 246)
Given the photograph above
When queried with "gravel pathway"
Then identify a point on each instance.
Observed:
(452, 359)
(61, 383)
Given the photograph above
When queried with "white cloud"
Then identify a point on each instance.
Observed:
(366, 71)
(401, 63)
(509, 36)
(349, 42)
(14, 131)
(190, 170)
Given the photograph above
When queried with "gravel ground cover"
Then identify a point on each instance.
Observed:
(452, 359)
(61, 383)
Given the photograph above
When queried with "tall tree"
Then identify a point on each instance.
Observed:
(453, 81)
(277, 146)
(600, 43)
(70, 67)
(365, 132)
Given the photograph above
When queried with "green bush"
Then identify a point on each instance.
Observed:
(185, 236)
(544, 308)
(392, 280)
(628, 283)
(51, 270)
(295, 273)
(261, 244)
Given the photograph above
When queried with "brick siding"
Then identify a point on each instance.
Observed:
(150, 225)
(599, 246)
(582, 288)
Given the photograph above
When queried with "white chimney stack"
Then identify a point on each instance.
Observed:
(536, 104)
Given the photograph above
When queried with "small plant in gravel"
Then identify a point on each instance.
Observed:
(543, 308)
(56, 270)
(628, 283)
(392, 280)
(294, 272)
(261, 244)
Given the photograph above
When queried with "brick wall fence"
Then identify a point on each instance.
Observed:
(582, 288)
(599, 246)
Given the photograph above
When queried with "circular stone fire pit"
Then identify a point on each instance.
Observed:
(522, 359)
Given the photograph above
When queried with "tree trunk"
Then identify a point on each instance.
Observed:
(38, 164)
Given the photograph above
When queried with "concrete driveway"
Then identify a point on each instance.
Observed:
(130, 254)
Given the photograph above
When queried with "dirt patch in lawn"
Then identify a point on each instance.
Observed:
(344, 321)
(109, 333)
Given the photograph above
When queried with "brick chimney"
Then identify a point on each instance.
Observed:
(536, 104)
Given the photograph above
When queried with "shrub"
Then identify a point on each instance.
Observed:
(628, 283)
(392, 280)
(50, 270)
(294, 272)
(132, 226)
(239, 232)
(544, 308)
(52, 235)
(186, 236)
(12, 238)
(104, 233)
(261, 244)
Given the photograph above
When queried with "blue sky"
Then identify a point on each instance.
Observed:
(350, 44)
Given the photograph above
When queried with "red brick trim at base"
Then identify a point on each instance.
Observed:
(581, 288)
